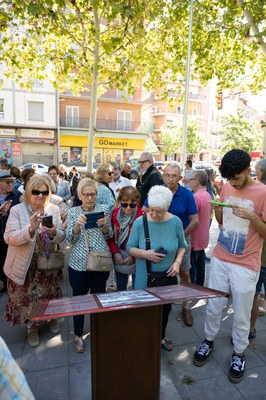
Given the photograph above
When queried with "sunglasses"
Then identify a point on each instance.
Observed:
(38, 192)
(126, 205)
(110, 173)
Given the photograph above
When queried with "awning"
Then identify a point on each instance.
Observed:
(109, 140)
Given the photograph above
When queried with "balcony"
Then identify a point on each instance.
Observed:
(111, 125)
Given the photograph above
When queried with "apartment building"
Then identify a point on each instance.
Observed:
(171, 112)
(121, 133)
(28, 122)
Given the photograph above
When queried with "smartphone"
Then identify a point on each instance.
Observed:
(47, 221)
(161, 250)
(92, 219)
(218, 203)
(7, 202)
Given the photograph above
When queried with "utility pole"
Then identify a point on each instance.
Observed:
(184, 137)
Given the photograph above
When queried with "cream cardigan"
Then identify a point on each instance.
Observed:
(20, 245)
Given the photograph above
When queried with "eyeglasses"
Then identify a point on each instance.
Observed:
(110, 173)
(126, 205)
(38, 192)
(8, 182)
(89, 194)
(142, 162)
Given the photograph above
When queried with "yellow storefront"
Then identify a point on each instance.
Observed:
(108, 147)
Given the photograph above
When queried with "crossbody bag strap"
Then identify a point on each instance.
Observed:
(87, 240)
(147, 241)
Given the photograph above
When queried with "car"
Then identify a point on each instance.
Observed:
(134, 173)
(40, 167)
(201, 165)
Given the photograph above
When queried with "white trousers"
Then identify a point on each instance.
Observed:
(241, 282)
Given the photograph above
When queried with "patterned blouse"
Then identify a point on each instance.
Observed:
(79, 254)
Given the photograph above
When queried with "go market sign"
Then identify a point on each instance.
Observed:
(114, 143)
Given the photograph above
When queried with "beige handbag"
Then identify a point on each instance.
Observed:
(101, 261)
(49, 260)
(54, 261)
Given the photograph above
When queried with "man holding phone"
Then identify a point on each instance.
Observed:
(8, 199)
(236, 257)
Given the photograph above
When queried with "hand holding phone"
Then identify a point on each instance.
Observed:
(161, 250)
(218, 203)
(47, 221)
(5, 206)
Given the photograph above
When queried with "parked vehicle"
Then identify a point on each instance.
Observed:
(40, 167)
(201, 165)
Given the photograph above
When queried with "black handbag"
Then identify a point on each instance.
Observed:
(155, 279)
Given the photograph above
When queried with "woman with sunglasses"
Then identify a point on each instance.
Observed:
(26, 284)
(122, 219)
(81, 280)
(104, 175)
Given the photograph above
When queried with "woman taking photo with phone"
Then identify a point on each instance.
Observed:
(26, 284)
(122, 219)
(81, 280)
(166, 235)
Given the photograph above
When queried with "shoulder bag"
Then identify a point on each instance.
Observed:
(49, 260)
(155, 279)
(101, 261)
(123, 268)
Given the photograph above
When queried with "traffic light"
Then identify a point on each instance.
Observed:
(219, 100)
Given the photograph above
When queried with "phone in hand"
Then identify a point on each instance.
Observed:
(47, 221)
(218, 203)
(92, 219)
(161, 250)
(6, 203)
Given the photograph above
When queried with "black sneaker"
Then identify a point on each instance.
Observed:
(252, 335)
(237, 368)
(202, 353)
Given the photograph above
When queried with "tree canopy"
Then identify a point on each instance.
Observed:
(136, 38)
(102, 43)
(239, 132)
(171, 139)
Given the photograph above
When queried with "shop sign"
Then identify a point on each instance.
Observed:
(35, 133)
(7, 132)
(16, 149)
(119, 143)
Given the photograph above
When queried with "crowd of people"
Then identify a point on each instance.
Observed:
(133, 226)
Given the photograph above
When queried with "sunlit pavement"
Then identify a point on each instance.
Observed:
(55, 372)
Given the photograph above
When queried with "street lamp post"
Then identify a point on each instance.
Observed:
(184, 136)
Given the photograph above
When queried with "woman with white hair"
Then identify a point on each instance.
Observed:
(167, 248)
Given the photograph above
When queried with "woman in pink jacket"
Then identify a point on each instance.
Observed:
(26, 285)
(122, 220)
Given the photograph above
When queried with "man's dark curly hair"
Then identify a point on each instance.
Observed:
(234, 162)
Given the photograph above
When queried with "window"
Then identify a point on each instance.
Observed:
(37, 84)
(123, 94)
(72, 116)
(124, 120)
(35, 111)
(2, 115)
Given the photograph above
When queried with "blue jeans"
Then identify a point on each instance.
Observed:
(122, 281)
(197, 270)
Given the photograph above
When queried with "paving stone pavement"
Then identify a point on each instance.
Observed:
(55, 372)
